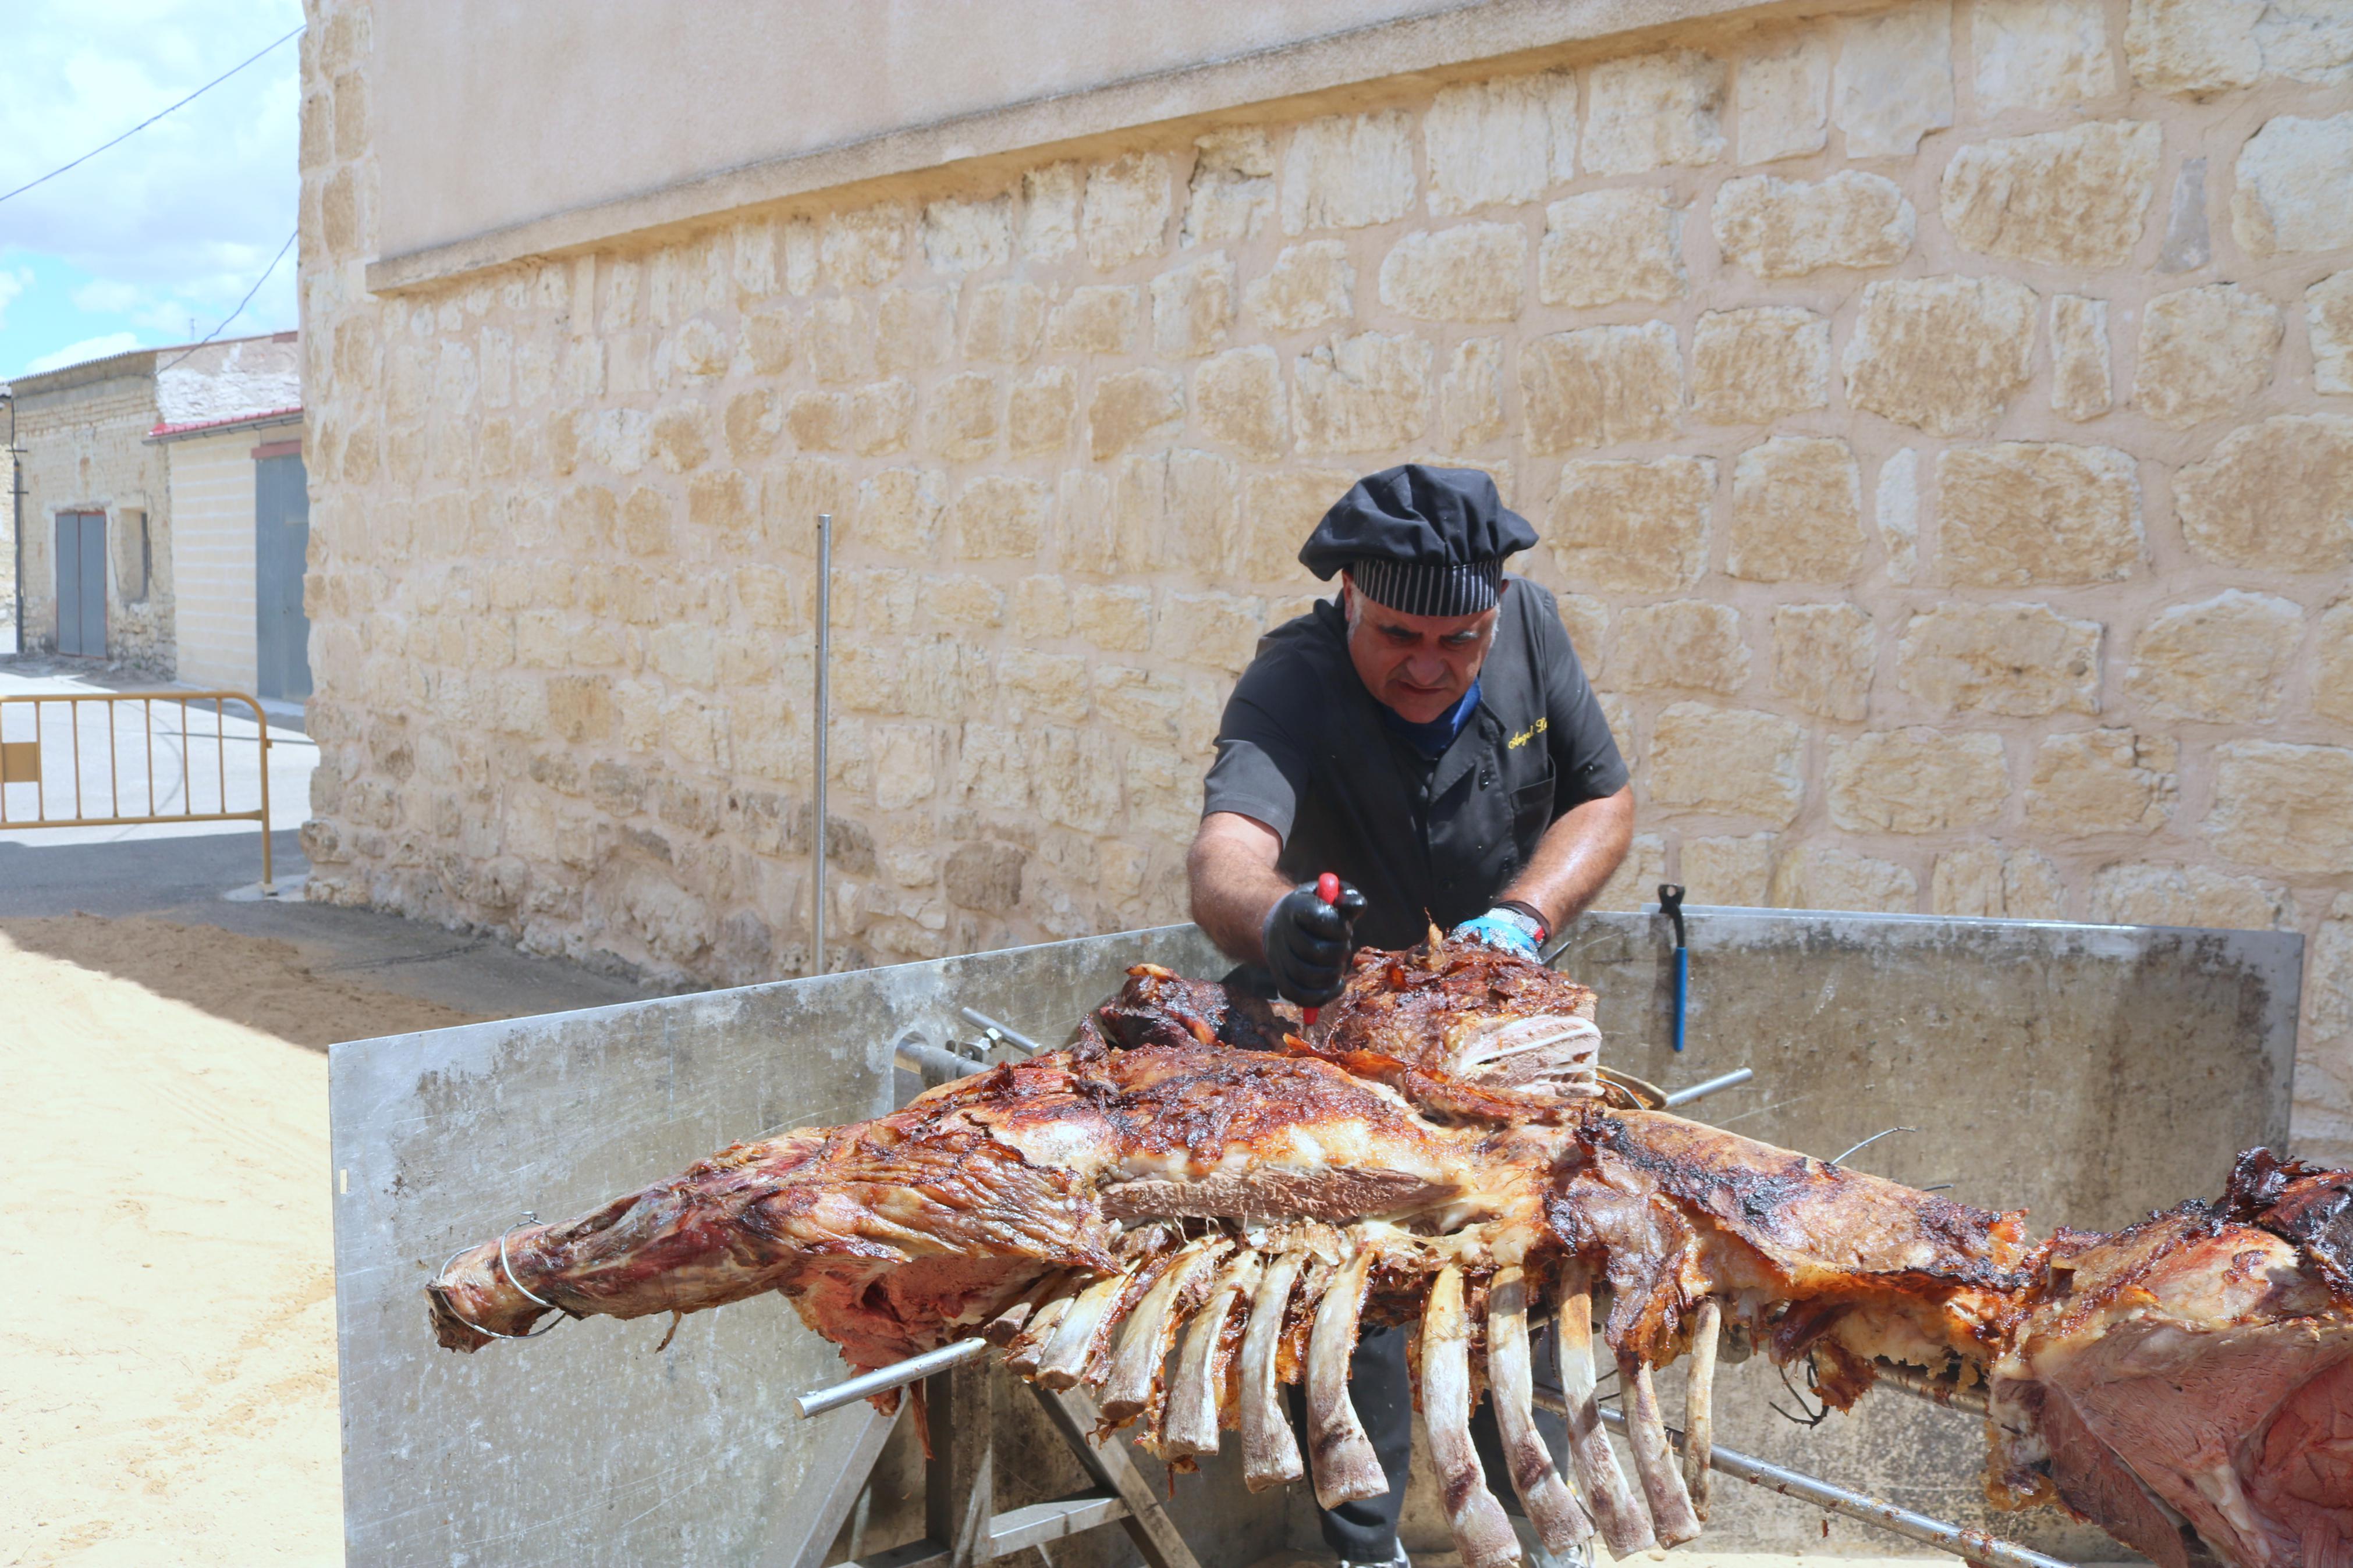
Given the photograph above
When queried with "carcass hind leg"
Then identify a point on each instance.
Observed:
(1482, 1531)
(1625, 1525)
(1552, 1508)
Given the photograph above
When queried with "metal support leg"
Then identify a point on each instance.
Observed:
(959, 1479)
(1147, 1524)
(830, 1490)
(962, 1528)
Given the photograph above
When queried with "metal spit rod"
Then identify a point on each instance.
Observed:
(898, 1374)
(824, 652)
(918, 1056)
(1707, 1087)
(1973, 1544)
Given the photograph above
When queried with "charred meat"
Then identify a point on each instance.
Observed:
(1197, 1204)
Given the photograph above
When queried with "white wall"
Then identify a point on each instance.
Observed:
(212, 555)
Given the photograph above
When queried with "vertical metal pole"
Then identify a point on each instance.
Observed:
(262, 729)
(824, 651)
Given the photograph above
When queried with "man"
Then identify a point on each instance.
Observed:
(1430, 739)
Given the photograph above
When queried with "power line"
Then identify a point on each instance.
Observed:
(241, 304)
(151, 119)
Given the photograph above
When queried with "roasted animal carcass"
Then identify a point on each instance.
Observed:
(1197, 1204)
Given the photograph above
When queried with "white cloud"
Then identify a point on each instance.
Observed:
(108, 295)
(80, 353)
(11, 285)
(189, 210)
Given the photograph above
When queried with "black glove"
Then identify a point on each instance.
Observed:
(1307, 943)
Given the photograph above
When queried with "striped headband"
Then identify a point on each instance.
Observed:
(1413, 589)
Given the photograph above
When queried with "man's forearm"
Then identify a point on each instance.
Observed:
(1575, 858)
(1234, 884)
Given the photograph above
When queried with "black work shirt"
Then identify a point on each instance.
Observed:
(1302, 749)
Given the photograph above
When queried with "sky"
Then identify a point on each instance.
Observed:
(174, 225)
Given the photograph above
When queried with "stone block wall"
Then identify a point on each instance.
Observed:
(84, 440)
(1939, 419)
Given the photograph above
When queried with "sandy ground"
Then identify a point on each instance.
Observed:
(164, 1236)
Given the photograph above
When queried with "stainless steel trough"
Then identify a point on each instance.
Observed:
(2090, 1072)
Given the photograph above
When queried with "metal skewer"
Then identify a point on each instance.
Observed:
(1707, 1087)
(1010, 1036)
(1974, 1400)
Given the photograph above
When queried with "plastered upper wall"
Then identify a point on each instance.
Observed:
(233, 380)
(603, 98)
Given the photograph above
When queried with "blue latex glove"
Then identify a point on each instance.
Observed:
(1507, 929)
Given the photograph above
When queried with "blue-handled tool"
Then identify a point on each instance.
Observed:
(1670, 904)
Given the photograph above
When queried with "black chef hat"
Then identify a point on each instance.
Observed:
(1427, 541)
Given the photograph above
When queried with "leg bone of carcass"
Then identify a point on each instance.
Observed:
(1191, 1426)
(1552, 1508)
(1150, 1328)
(1654, 1460)
(1699, 1407)
(1625, 1526)
(1345, 1467)
(1482, 1531)
(1064, 1360)
(1269, 1453)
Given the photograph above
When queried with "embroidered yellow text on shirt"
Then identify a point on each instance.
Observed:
(1530, 733)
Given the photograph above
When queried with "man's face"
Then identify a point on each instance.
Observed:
(1420, 664)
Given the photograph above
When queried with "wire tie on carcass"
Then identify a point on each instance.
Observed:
(528, 1218)
(1870, 1140)
(508, 1267)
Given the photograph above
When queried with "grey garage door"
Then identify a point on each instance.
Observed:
(281, 544)
(81, 582)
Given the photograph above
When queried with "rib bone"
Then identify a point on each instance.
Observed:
(1065, 1356)
(1347, 1468)
(1625, 1526)
(1151, 1328)
(1022, 1355)
(1654, 1461)
(1552, 1508)
(1191, 1426)
(1007, 1325)
(1699, 1406)
(1482, 1531)
(1269, 1453)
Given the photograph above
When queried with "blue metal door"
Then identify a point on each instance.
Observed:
(81, 582)
(281, 549)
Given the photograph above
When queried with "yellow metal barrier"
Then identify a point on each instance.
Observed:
(23, 761)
